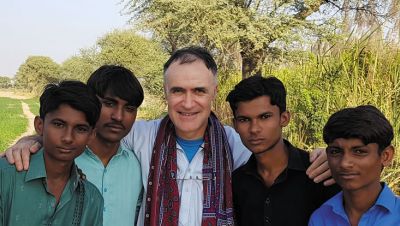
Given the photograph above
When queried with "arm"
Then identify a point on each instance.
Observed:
(319, 169)
(20, 152)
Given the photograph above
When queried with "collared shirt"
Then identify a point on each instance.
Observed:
(289, 201)
(141, 140)
(26, 200)
(120, 184)
(385, 211)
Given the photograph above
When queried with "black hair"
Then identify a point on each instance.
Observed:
(118, 81)
(364, 122)
(191, 54)
(73, 93)
(256, 86)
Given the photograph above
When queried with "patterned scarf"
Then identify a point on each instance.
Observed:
(162, 200)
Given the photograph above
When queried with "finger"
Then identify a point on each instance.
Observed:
(329, 182)
(319, 170)
(16, 154)
(315, 164)
(322, 176)
(315, 153)
(35, 147)
(3, 154)
(25, 158)
(9, 155)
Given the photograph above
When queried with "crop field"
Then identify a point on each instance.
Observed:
(12, 121)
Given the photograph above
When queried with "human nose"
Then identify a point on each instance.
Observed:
(254, 126)
(188, 100)
(68, 136)
(346, 161)
(117, 113)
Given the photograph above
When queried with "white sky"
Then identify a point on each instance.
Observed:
(53, 28)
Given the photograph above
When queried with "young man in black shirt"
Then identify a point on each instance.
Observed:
(272, 188)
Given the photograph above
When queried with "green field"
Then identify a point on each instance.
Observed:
(12, 121)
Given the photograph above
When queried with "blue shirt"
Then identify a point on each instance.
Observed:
(190, 147)
(385, 211)
(120, 183)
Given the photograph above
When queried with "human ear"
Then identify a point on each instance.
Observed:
(285, 118)
(38, 123)
(387, 155)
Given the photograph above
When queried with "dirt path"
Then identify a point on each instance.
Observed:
(30, 116)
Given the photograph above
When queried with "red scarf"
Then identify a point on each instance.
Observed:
(162, 200)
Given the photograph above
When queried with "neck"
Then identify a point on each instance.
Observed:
(103, 149)
(271, 163)
(357, 202)
(57, 170)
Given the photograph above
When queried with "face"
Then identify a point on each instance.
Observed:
(355, 165)
(65, 133)
(189, 89)
(260, 124)
(116, 118)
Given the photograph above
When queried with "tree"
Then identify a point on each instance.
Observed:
(36, 72)
(5, 82)
(78, 67)
(248, 31)
(144, 57)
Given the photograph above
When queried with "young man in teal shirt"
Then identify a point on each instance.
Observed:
(54, 191)
(359, 146)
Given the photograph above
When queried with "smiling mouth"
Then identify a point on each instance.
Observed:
(187, 114)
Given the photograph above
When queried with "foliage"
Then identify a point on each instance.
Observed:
(12, 121)
(144, 57)
(5, 82)
(36, 72)
(77, 68)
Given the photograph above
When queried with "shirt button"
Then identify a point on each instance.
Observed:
(104, 210)
(267, 220)
(105, 189)
(267, 201)
(147, 215)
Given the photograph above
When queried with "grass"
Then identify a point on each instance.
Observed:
(12, 121)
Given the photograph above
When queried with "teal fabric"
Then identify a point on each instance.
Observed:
(120, 183)
(25, 200)
(190, 147)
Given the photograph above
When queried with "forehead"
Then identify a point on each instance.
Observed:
(195, 72)
(256, 106)
(347, 142)
(68, 114)
(109, 95)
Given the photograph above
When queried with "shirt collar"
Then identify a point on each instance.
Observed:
(122, 150)
(295, 162)
(37, 169)
(386, 199)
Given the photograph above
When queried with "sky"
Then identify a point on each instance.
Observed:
(54, 28)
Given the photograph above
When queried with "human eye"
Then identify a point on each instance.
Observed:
(58, 124)
(333, 151)
(200, 90)
(265, 116)
(359, 151)
(82, 129)
(242, 119)
(108, 103)
(130, 108)
(176, 90)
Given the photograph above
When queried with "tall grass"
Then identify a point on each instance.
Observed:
(12, 121)
(319, 85)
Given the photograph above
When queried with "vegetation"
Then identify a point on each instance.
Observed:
(12, 121)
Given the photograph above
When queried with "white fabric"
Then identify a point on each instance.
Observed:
(141, 139)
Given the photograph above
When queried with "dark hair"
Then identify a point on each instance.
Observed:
(364, 122)
(118, 81)
(191, 54)
(256, 86)
(73, 93)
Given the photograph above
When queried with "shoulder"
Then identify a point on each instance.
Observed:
(5, 166)
(146, 125)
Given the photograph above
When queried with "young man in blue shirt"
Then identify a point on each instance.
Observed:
(359, 146)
